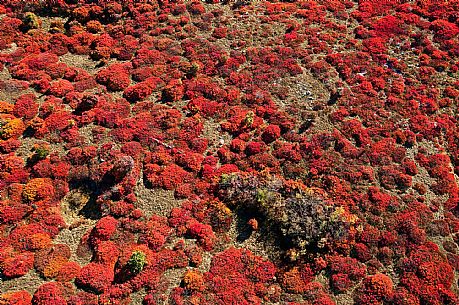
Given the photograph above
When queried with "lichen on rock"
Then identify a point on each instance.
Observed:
(304, 219)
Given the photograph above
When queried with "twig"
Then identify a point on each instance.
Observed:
(166, 145)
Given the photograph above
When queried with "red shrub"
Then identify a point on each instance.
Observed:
(190, 161)
(403, 297)
(379, 199)
(146, 57)
(220, 32)
(444, 29)
(59, 44)
(49, 261)
(106, 253)
(195, 255)
(114, 77)
(375, 289)
(287, 151)
(17, 265)
(202, 105)
(410, 167)
(38, 190)
(203, 233)
(196, 8)
(138, 92)
(68, 272)
(168, 177)
(57, 70)
(102, 47)
(11, 213)
(199, 145)
(390, 177)
(174, 91)
(25, 106)
(133, 149)
(388, 26)
(362, 252)
(60, 87)
(340, 282)
(40, 61)
(96, 277)
(142, 90)
(179, 218)
(105, 228)
(237, 276)
(21, 297)
(142, 73)
(254, 148)
(160, 226)
(111, 113)
(345, 272)
(51, 293)
(375, 45)
(271, 133)
(296, 279)
(425, 269)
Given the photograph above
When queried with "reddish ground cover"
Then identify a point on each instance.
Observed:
(326, 132)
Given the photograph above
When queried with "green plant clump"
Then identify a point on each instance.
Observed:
(41, 153)
(137, 261)
(31, 21)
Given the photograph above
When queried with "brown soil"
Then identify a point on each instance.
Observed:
(155, 201)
